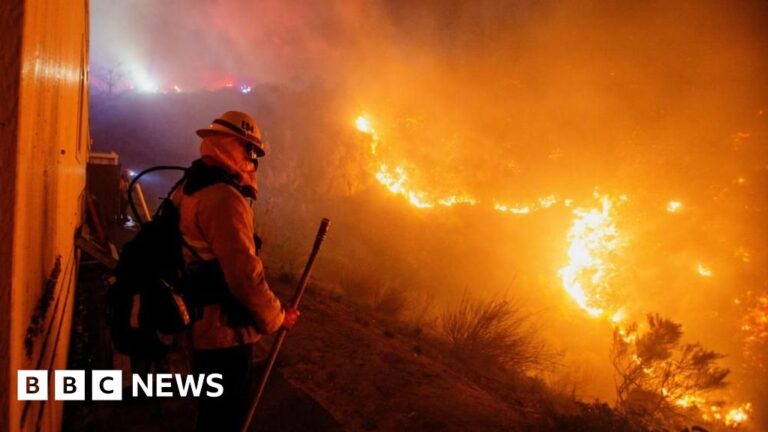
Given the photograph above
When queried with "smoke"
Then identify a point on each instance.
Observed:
(505, 101)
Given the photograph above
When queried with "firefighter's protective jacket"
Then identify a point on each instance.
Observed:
(217, 222)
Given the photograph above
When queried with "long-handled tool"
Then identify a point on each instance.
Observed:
(321, 232)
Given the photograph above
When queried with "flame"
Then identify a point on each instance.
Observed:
(515, 209)
(618, 316)
(593, 239)
(363, 124)
(714, 412)
(629, 336)
(689, 401)
(732, 417)
(457, 199)
(674, 206)
(544, 202)
(703, 270)
(397, 183)
(709, 409)
(547, 201)
(736, 416)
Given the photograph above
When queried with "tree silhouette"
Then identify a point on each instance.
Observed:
(661, 382)
(107, 80)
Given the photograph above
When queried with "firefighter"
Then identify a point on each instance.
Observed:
(216, 223)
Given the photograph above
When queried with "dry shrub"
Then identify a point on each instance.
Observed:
(494, 333)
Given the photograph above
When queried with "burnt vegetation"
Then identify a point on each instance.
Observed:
(661, 381)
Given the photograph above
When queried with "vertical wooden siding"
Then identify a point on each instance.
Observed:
(44, 133)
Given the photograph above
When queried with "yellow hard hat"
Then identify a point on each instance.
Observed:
(237, 124)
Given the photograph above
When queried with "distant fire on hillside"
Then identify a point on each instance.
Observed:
(594, 246)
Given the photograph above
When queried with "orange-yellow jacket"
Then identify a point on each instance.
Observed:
(217, 222)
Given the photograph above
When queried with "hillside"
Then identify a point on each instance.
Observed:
(371, 374)
(344, 367)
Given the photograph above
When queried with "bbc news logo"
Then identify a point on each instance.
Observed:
(107, 385)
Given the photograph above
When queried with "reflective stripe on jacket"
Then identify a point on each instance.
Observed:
(217, 223)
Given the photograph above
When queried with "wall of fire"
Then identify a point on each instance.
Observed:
(43, 154)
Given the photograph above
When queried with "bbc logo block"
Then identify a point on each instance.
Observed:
(69, 385)
(32, 385)
(106, 385)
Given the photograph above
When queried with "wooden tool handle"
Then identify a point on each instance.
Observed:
(321, 233)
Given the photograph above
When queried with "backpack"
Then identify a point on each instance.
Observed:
(153, 294)
(143, 301)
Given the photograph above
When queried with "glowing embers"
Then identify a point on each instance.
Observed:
(593, 244)
(541, 203)
(689, 401)
(714, 412)
(754, 328)
(703, 270)
(674, 206)
(743, 254)
(733, 417)
(736, 416)
(456, 199)
(514, 209)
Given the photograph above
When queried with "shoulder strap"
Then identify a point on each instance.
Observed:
(201, 175)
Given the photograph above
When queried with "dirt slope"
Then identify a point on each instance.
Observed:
(343, 367)
(370, 376)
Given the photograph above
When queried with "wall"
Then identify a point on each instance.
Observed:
(43, 151)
